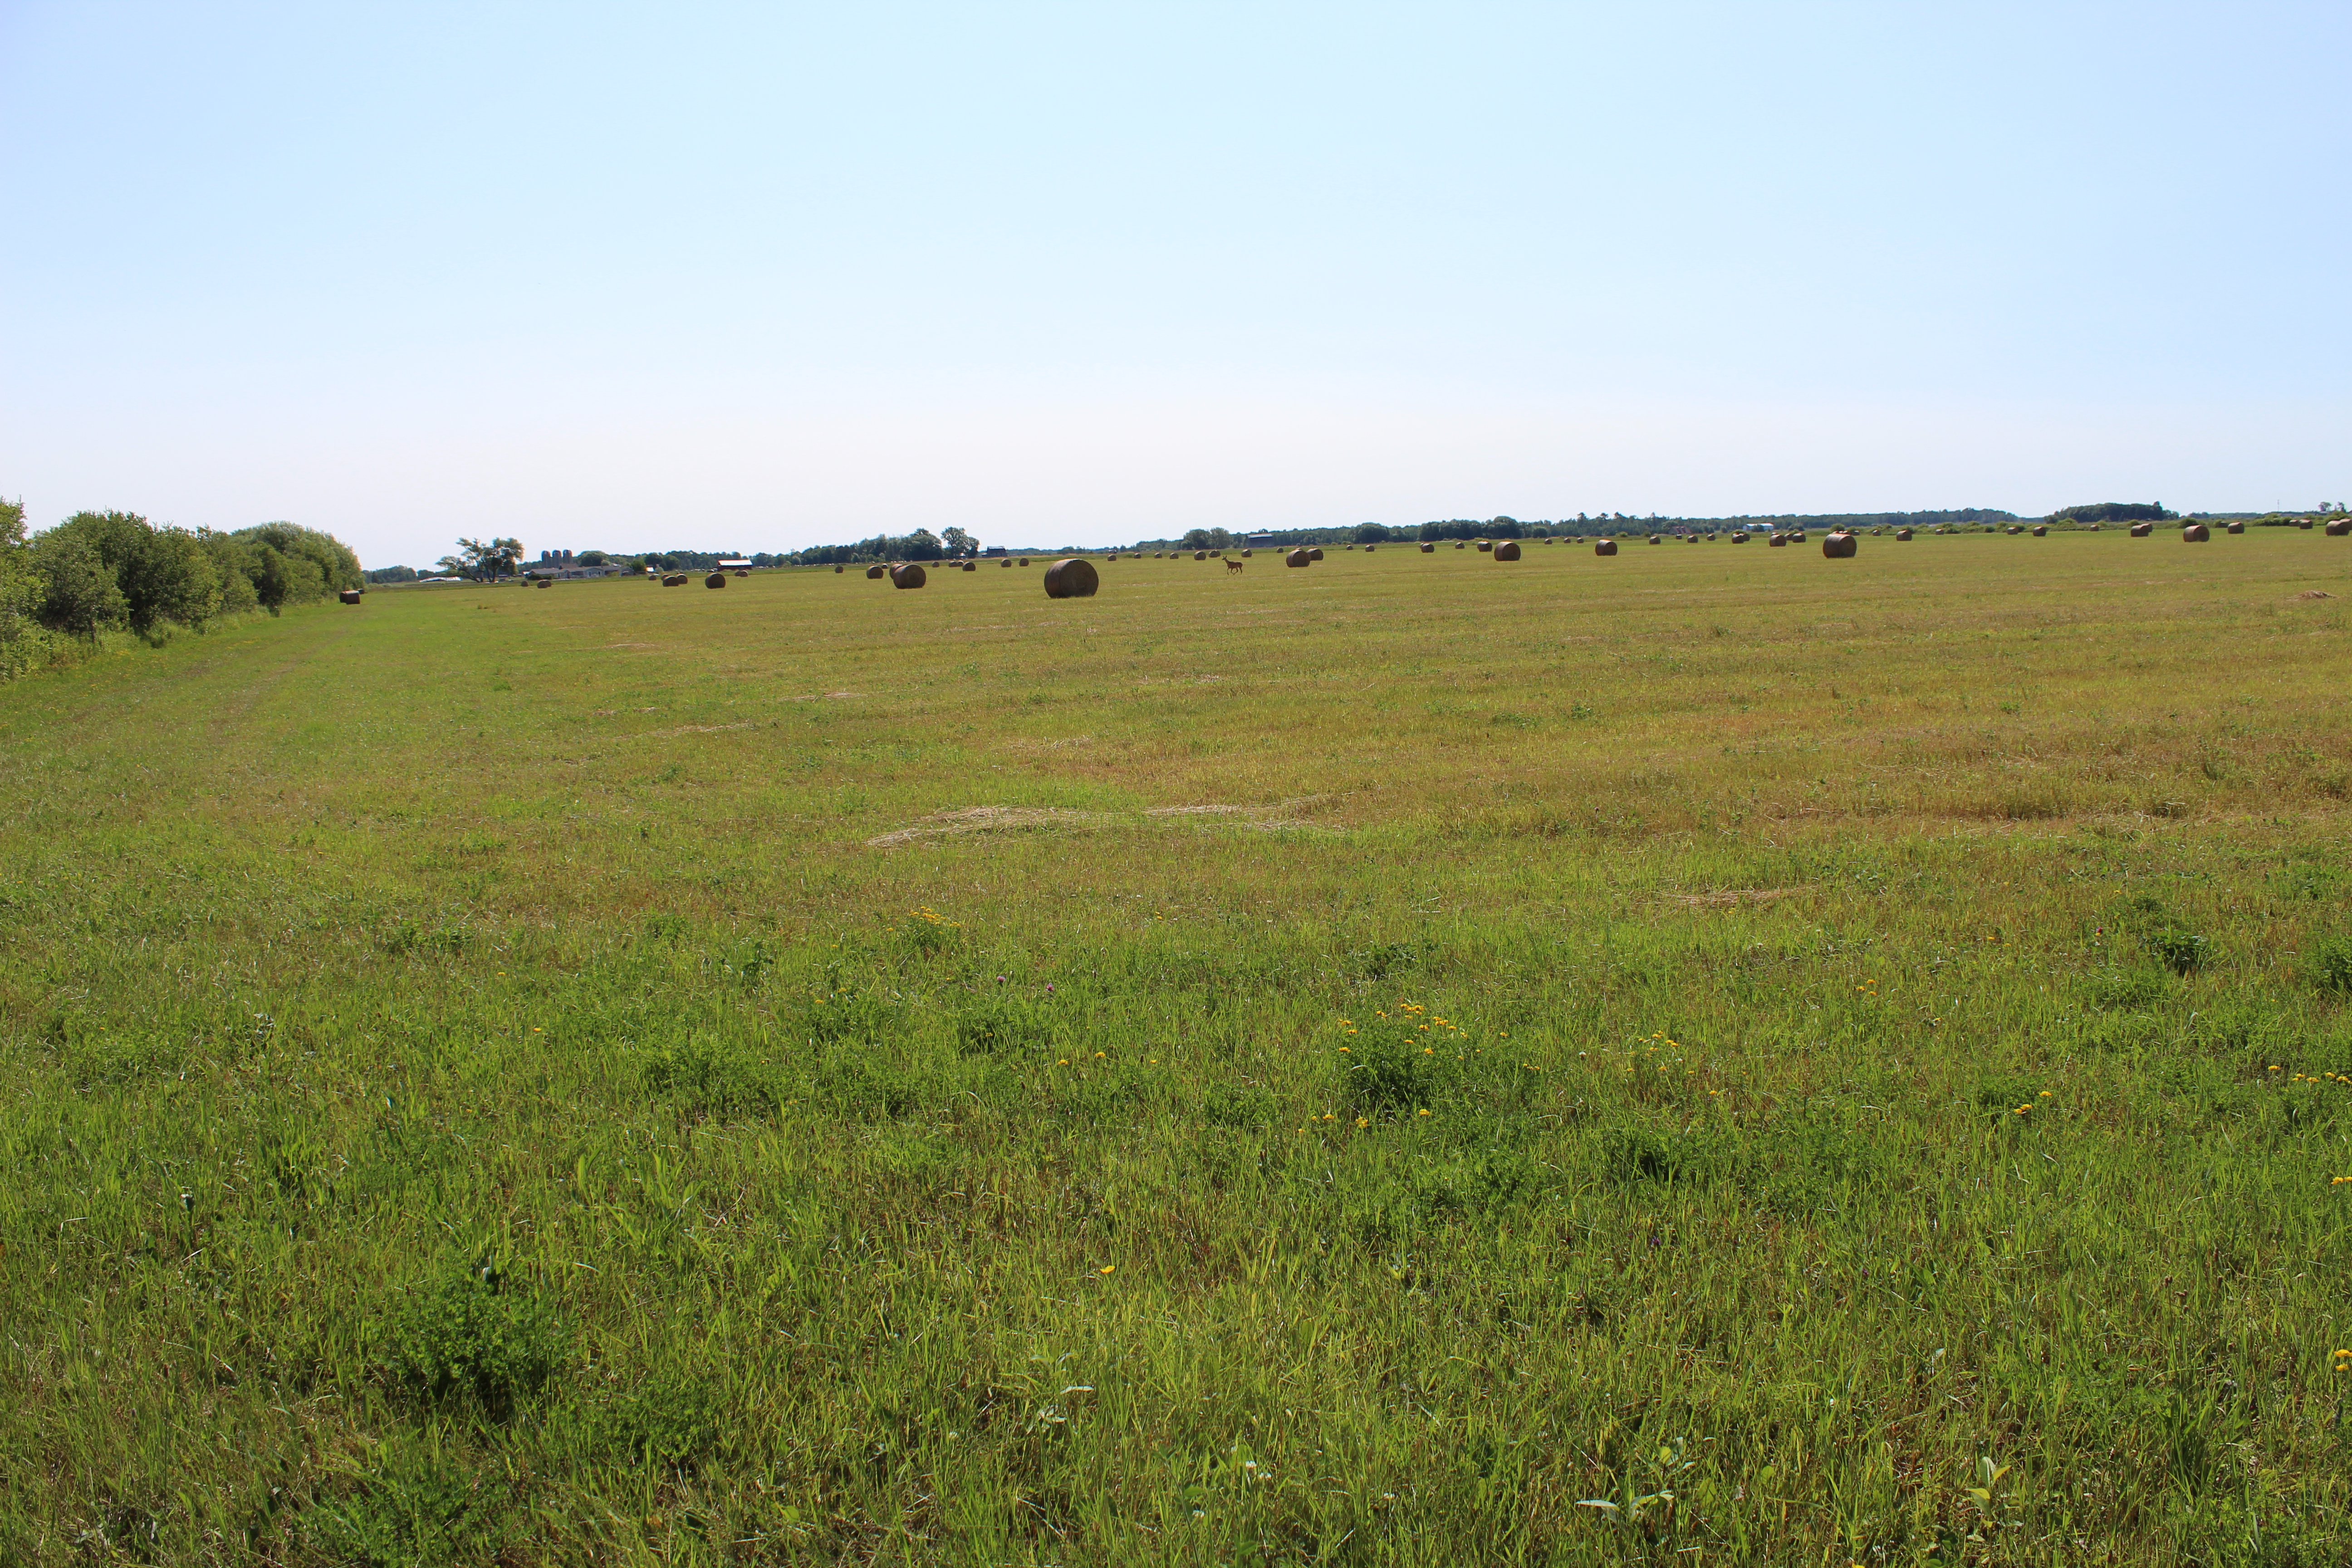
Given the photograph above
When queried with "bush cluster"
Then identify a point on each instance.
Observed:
(104, 571)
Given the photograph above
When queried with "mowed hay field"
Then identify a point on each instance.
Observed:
(1712, 1056)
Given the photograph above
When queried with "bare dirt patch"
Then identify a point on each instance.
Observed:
(987, 819)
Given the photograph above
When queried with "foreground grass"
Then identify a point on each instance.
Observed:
(1716, 1055)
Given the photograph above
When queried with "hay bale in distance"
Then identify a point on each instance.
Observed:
(877, 571)
(909, 576)
(543, 582)
(971, 565)
(1006, 563)
(1248, 552)
(1313, 553)
(2040, 530)
(1738, 536)
(1508, 550)
(1074, 578)
(1025, 560)
(1429, 550)
(2196, 534)
(1902, 535)
(1367, 550)
(1297, 557)
(351, 595)
(1779, 541)
(715, 580)
(1486, 547)
(839, 570)
(2142, 530)
(2341, 528)
(2233, 528)
(1459, 545)
(674, 579)
(1837, 544)
(1199, 555)
(1604, 547)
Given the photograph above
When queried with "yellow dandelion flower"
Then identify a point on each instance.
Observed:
(1108, 1268)
(1423, 1111)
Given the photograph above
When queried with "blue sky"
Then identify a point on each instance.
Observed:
(761, 276)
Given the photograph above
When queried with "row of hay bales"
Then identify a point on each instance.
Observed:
(1076, 578)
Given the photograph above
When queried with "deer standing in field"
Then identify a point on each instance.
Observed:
(1232, 565)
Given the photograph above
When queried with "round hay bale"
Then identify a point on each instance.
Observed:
(1368, 549)
(715, 580)
(1314, 555)
(839, 570)
(674, 579)
(2339, 529)
(1486, 547)
(1604, 547)
(1297, 557)
(1903, 536)
(2142, 530)
(1739, 536)
(1199, 555)
(1796, 536)
(971, 565)
(543, 582)
(877, 571)
(351, 595)
(1837, 544)
(1459, 545)
(2196, 534)
(1508, 550)
(1025, 560)
(2233, 528)
(1779, 541)
(909, 576)
(2304, 523)
(1655, 540)
(1247, 553)
(1006, 563)
(1429, 550)
(1072, 579)
(2040, 530)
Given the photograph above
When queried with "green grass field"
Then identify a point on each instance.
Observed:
(1712, 1056)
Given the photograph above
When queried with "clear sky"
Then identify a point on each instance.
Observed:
(752, 278)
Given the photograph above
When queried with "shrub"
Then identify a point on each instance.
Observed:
(25, 644)
(78, 594)
(469, 1336)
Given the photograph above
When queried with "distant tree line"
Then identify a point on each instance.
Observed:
(2115, 511)
(101, 572)
(957, 544)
